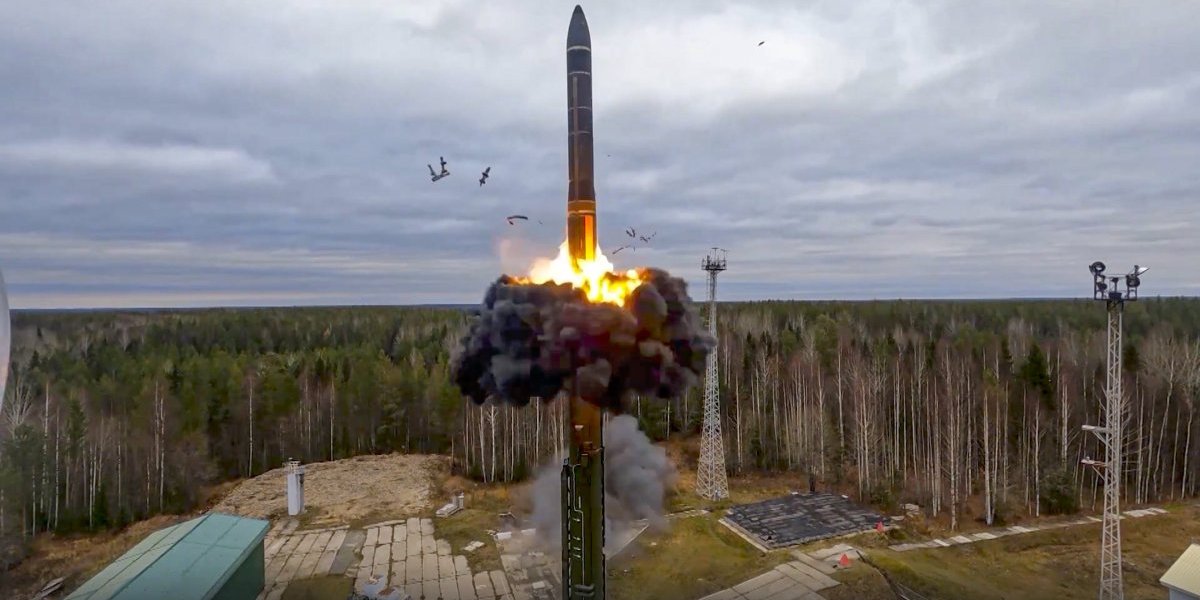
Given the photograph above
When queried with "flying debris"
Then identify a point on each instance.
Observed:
(484, 176)
(762, 42)
(647, 239)
(614, 252)
(631, 232)
(433, 175)
(512, 218)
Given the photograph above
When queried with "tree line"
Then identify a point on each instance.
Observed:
(113, 417)
(970, 409)
(965, 408)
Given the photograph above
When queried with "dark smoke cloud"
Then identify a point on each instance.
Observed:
(535, 340)
(637, 475)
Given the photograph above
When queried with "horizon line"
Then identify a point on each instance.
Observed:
(470, 304)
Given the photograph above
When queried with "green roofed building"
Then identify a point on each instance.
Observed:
(214, 557)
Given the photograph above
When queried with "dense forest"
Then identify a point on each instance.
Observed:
(966, 408)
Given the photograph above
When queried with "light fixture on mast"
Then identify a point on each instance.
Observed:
(1108, 288)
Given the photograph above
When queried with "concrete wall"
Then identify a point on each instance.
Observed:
(247, 580)
(1176, 595)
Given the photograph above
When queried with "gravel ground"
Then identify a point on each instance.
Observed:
(341, 491)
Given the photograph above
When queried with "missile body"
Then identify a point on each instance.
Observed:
(583, 468)
(581, 195)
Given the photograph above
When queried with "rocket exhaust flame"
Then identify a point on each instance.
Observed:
(594, 277)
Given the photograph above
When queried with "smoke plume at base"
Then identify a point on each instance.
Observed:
(637, 475)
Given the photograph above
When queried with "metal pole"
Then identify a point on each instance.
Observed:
(712, 482)
(1107, 288)
(1111, 587)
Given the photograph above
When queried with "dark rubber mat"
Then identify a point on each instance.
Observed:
(799, 518)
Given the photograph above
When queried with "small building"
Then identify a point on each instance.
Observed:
(213, 557)
(1182, 580)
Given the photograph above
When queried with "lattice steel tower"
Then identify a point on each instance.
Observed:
(711, 481)
(1108, 290)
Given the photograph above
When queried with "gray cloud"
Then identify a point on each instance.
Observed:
(179, 153)
(86, 157)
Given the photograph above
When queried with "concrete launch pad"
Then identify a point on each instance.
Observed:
(800, 518)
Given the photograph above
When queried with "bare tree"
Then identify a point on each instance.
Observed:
(1166, 359)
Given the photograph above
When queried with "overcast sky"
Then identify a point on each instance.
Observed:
(182, 153)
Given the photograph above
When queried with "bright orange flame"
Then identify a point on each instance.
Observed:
(595, 277)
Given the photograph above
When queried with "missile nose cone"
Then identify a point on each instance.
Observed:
(577, 33)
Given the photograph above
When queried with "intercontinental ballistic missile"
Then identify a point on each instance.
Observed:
(581, 193)
(583, 469)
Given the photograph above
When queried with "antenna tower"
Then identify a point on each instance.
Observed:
(1108, 290)
(711, 481)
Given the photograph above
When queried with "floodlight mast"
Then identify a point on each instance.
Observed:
(1109, 290)
(712, 482)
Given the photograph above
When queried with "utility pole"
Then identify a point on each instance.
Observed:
(711, 480)
(1108, 290)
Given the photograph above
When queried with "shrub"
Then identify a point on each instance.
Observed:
(1058, 492)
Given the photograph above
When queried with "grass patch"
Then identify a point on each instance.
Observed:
(695, 557)
(370, 519)
(1060, 564)
(329, 587)
(859, 583)
(468, 525)
(311, 514)
(743, 489)
(483, 505)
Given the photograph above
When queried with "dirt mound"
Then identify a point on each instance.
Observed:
(343, 491)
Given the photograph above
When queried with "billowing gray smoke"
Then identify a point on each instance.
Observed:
(636, 477)
(547, 340)
(539, 340)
